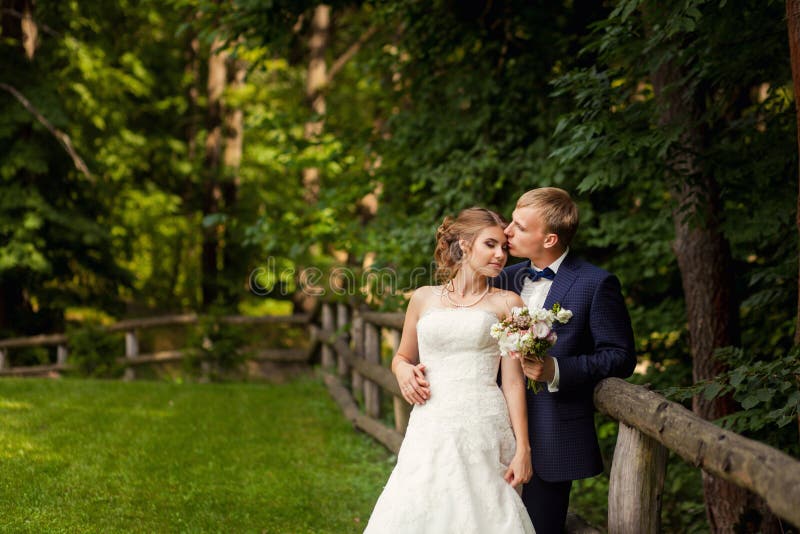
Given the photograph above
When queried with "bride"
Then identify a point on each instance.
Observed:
(459, 463)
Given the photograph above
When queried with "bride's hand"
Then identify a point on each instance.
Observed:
(520, 470)
(413, 386)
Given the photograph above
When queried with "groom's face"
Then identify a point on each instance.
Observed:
(527, 235)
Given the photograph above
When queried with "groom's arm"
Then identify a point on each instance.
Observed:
(610, 327)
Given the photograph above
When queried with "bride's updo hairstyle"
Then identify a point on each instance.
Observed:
(466, 227)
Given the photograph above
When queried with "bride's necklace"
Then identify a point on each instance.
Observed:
(459, 305)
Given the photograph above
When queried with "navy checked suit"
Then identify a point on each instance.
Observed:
(596, 343)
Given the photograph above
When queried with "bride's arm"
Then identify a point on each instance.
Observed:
(409, 372)
(513, 384)
(520, 469)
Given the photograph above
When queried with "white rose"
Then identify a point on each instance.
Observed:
(496, 331)
(509, 343)
(563, 315)
(545, 316)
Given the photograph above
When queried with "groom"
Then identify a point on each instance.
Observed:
(596, 343)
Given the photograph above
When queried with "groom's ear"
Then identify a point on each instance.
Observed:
(551, 240)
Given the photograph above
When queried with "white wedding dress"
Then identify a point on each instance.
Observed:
(458, 445)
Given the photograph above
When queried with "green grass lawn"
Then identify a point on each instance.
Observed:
(103, 456)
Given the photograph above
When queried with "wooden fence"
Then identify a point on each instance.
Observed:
(351, 342)
(133, 358)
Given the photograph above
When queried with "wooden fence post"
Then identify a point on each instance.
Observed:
(61, 354)
(356, 381)
(3, 358)
(131, 351)
(636, 484)
(402, 409)
(329, 326)
(342, 320)
(372, 353)
(316, 340)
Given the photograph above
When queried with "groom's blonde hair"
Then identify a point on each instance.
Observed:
(557, 209)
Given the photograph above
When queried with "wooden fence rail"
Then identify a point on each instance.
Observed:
(652, 422)
(650, 426)
(132, 358)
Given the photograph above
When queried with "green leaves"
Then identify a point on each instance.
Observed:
(624, 9)
(768, 391)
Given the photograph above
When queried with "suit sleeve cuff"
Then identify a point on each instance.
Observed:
(552, 386)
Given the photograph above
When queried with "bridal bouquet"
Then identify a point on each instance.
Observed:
(529, 334)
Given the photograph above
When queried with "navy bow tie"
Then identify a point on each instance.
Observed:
(535, 275)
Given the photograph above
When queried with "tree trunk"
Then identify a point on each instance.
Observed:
(316, 78)
(704, 259)
(234, 125)
(315, 83)
(234, 260)
(793, 25)
(30, 31)
(212, 194)
(17, 23)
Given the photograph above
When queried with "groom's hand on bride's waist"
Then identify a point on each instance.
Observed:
(411, 379)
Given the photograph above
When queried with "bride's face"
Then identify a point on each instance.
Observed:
(488, 253)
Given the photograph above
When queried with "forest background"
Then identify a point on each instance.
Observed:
(204, 155)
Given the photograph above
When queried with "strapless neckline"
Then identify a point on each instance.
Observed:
(435, 309)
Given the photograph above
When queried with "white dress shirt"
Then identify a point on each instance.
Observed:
(534, 294)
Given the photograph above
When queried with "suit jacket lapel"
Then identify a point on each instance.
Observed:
(566, 276)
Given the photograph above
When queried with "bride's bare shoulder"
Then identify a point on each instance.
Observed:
(423, 295)
(506, 299)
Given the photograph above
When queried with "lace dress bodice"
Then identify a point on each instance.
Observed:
(461, 363)
(455, 346)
